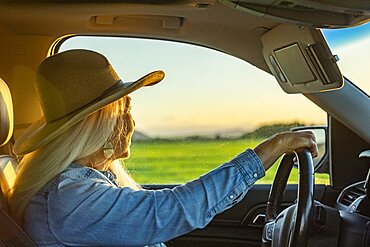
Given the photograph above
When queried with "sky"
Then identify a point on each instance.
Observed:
(206, 92)
(352, 45)
(341, 37)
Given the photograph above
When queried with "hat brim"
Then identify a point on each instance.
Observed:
(41, 132)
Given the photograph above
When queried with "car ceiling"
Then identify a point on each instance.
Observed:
(208, 23)
(204, 22)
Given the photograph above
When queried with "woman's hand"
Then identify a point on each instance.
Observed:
(270, 150)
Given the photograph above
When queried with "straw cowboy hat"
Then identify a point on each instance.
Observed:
(72, 85)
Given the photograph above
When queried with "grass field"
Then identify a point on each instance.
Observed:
(174, 162)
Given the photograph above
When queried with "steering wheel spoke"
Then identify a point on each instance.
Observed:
(268, 231)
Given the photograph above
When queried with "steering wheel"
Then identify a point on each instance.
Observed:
(291, 227)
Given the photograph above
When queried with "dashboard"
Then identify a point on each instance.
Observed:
(353, 205)
(353, 199)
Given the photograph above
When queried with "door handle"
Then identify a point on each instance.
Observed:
(258, 221)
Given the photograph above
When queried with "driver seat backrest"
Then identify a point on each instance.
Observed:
(10, 233)
(8, 164)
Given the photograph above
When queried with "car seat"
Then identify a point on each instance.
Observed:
(10, 233)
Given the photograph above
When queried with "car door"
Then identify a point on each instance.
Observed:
(241, 225)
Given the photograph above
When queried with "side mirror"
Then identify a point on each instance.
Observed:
(321, 163)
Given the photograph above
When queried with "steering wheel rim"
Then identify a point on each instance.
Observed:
(303, 218)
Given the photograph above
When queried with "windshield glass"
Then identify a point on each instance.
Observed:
(352, 47)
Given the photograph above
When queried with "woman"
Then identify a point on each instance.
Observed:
(71, 191)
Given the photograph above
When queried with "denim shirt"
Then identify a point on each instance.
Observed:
(84, 207)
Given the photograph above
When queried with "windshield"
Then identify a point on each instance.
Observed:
(352, 47)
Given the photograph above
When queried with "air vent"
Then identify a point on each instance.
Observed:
(351, 193)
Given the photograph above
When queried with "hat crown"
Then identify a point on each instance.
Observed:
(70, 80)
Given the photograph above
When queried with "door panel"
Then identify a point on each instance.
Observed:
(235, 226)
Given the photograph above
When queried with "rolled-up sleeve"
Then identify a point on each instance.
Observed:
(92, 211)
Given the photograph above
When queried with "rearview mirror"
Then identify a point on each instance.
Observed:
(321, 161)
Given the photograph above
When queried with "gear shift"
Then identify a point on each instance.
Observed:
(367, 185)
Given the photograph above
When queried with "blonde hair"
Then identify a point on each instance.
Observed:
(86, 137)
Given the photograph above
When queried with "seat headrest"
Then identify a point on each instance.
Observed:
(6, 113)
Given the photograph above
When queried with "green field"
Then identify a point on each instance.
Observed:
(174, 162)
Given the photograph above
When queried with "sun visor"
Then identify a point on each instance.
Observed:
(301, 60)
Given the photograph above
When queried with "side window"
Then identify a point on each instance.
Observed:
(210, 107)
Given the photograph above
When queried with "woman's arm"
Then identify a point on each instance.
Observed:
(91, 211)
